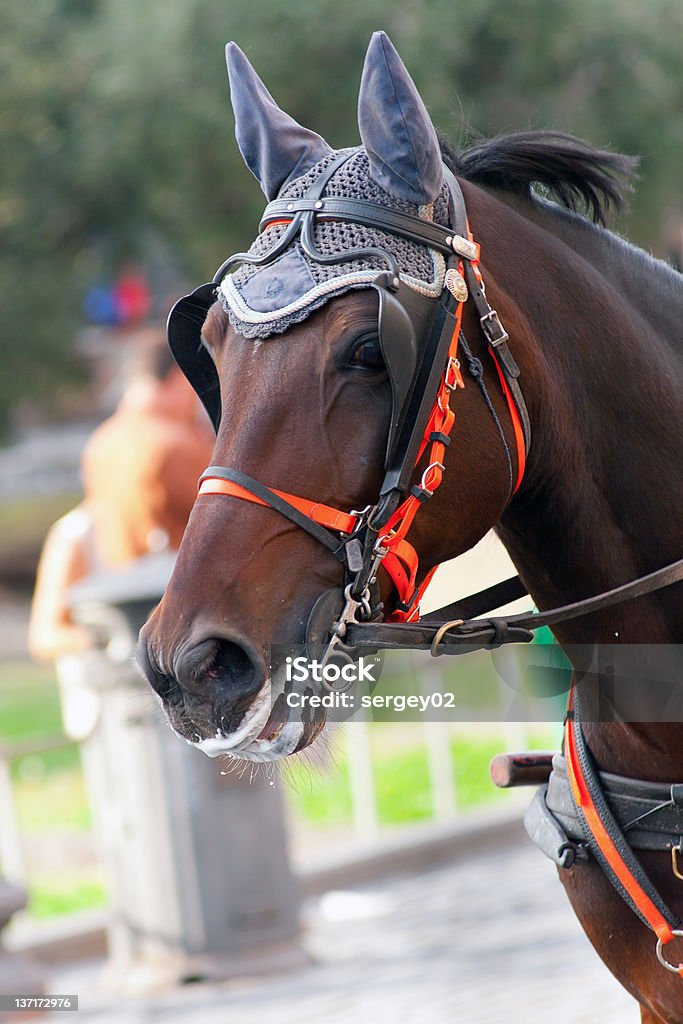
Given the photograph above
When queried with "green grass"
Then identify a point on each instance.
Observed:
(49, 788)
(319, 796)
(29, 709)
(73, 893)
(29, 702)
(52, 800)
(402, 785)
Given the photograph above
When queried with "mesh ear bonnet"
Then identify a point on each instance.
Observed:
(266, 300)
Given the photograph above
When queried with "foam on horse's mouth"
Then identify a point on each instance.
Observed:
(255, 720)
(273, 748)
(260, 737)
(262, 734)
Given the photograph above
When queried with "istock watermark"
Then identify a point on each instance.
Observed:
(335, 675)
(515, 683)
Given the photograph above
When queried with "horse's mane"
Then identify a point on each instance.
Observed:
(575, 174)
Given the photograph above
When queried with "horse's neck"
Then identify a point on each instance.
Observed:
(601, 504)
(651, 286)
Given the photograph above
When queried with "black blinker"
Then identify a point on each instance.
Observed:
(184, 331)
(404, 317)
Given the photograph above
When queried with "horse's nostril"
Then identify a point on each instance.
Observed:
(212, 684)
(234, 674)
(218, 671)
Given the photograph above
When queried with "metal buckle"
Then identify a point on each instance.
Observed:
(453, 365)
(423, 485)
(674, 968)
(337, 647)
(463, 246)
(381, 548)
(440, 634)
(493, 329)
(675, 851)
(362, 513)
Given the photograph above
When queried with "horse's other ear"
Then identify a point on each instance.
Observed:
(274, 146)
(395, 127)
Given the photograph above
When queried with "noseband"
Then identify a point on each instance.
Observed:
(421, 341)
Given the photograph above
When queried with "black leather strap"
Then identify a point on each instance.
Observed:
(478, 634)
(497, 342)
(361, 211)
(657, 580)
(292, 231)
(512, 628)
(481, 602)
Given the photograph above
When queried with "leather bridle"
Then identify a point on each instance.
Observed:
(421, 340)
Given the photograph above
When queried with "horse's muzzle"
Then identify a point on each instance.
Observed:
(209, 686)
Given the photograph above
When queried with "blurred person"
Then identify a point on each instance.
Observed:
(67, 556)
(140, 467)
(140, 470)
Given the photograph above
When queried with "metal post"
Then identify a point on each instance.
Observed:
(200, 879)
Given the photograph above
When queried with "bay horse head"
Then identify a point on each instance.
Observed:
(315, 354)
(305, 356)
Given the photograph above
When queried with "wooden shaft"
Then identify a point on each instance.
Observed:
(528, 769)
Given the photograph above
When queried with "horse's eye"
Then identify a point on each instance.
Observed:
(367, 355)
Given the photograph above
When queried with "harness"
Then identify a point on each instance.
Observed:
(582, 811)
(422, 344)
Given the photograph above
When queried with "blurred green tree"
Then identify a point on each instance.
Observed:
(116, 136)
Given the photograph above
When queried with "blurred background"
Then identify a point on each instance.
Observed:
(120, 187)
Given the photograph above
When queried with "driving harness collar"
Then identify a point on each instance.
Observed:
(650, 814)
(582, 811)
(421, 342)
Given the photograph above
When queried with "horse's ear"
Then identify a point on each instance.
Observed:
(275, 148)
(395, 127)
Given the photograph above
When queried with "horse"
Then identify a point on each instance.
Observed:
(568, 411)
